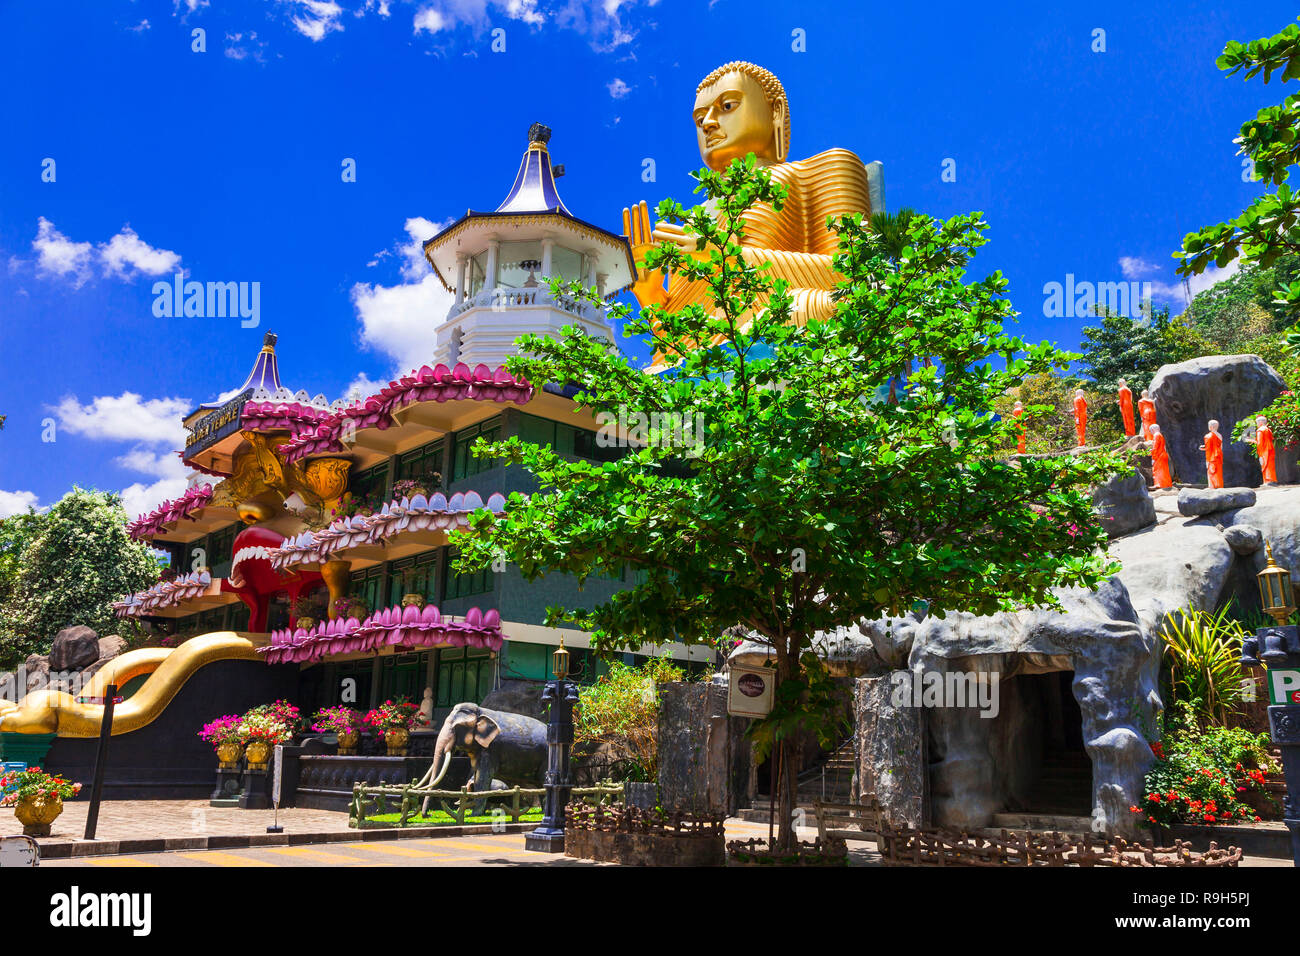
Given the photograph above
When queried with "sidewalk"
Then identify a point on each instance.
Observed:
(155, 826)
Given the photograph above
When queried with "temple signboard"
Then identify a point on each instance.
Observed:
(216, 425)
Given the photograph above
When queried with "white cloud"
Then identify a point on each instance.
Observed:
(618, 89)
(58, 256)
(429, 20)
(126, 417)
(139, 27)
(189, 5)
(126, 255)
(1134, 267)
(316, 18)
(1175, 291)
(240, 46)
(17, 502)
(363, 386)
(142, 497)
(400, 320)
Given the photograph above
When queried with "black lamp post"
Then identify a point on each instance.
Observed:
(560, 695)
(1279, 648)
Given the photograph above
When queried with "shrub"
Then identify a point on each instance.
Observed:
(34, 782)
(624, 705)
(1200, 772)
(1203, 653)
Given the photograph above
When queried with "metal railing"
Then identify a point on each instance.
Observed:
(460, 804)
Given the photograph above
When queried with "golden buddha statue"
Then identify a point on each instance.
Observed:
(739, 109)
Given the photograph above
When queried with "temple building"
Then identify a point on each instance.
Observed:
(325, 525)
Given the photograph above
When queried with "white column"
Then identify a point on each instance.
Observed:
(547, 245)
(490, 280)
(591, 269)
(461, 261)
(601, 279)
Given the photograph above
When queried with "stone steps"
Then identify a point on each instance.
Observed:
(1043, 822)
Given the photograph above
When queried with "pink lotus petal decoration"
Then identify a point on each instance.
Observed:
(169, 512)
(312, 435)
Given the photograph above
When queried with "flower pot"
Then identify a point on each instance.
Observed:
(397, 741)
(304, 622)
(228, 755)
(37, 813)
(348, 743)
(412, 600)
(258, 753)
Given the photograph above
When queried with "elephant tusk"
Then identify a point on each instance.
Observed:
(446, 763)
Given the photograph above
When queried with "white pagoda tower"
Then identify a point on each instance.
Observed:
(498, 263)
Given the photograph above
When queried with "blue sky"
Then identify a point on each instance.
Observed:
(226, 164)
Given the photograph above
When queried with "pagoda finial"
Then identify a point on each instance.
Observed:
(268, 342)
(539, 133)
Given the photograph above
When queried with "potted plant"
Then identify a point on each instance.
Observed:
(349, 606)
(343, 721)
(305, 609)
(265, 726)
(394, 719)
(37, 798)
(224, 735)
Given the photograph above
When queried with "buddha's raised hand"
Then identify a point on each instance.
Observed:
(649, 284)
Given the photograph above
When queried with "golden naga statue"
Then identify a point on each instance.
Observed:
(741, 108)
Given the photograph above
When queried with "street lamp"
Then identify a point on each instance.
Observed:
(1278, 647)
(560, 695)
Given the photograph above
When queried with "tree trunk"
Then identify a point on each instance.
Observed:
(785, 761)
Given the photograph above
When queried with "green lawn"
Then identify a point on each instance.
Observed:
(440, 818)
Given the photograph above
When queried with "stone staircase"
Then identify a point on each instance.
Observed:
(830, 780)
(1065, 787)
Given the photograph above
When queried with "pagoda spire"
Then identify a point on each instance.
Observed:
(265, 375)
(534, 186)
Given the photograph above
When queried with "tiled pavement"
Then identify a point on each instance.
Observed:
(328, 841)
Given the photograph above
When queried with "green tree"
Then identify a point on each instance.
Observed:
(804, 505)
(67, 567)
(1134, 350)
(1235, 312)
(1268, 228)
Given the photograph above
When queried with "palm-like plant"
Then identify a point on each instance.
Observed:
(1203, 651)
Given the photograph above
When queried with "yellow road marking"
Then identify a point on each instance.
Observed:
(320, 856)
(221, 858)
(394, 850)
(467, 847)
(117, 861)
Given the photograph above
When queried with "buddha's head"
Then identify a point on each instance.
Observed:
(741, 108)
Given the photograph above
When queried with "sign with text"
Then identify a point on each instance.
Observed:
(749, 691)
(1283, 686)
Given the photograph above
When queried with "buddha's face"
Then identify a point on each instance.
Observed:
(733, 118)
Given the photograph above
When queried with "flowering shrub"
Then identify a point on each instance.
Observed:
(392, 715)
(351, 505)
(337, 720)
(1200, 773)
(270, 723)
(1283, 417)
(223, 730)
(34, 782)
(346, 604)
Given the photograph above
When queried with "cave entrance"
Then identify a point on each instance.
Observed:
(1047, 771)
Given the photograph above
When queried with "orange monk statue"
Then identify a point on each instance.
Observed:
(1018, 410)
(1147, 412)
(1126, 407)
(1213, 449)
(1080, 416)
(1265, 450)
(1160, 460)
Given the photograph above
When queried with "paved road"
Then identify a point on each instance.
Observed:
(488, 849)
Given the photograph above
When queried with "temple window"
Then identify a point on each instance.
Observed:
(476, 273)
(414, 575)
(372, 482)
(567, 264)
(464, 585)
(520, 266)
(369, 586)
(421, 463)
(465, 464)
(464, 674)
